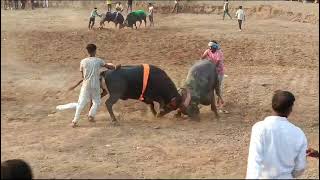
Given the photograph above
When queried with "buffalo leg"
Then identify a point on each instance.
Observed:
(178, 114)
(154, 112)
(163, 109)
(109, 103)
(140, 23)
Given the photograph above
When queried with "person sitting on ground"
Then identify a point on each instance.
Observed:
(150, 14)
(93, 15)
(277, 147)
(15, 169)
(215, 55)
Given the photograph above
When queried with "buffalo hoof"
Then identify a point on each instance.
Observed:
(115, 123)
(195, 118)
(73, 124)
(178, 115)
(158, 115)
(91, 119)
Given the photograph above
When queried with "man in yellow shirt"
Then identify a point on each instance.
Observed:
(109, 5)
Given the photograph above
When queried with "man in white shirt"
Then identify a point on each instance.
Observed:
(150, 14)
(277, 147)
(119, 9)
(226, 9)
(90, 90)
(176, 6)
(240, 16)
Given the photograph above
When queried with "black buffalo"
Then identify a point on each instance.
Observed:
(126, 83)
(113, 17)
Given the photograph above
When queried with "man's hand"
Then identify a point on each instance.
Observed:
(312, 153)
(72, 87)
(118, 66)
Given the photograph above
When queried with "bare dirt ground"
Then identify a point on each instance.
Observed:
(40, 55)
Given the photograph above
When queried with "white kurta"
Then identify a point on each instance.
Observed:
(277, 150)
(90, 90)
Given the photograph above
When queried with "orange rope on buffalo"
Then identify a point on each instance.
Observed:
(146, 72)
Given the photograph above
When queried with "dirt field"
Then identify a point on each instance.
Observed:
(40, 55)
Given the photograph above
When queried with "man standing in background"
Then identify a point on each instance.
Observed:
(32, 4)
(150, 14)
(109, 5)
(278, 148)
(241, 17)
(45, 3)
(23, 4)
(129, 6)
(226, 9)
(16, 4)
(176, 6)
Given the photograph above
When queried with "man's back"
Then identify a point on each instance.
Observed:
(277, 149)
(226, 6)
(240, 14)
(90, 67)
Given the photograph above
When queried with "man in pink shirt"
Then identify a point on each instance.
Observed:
(215, 55)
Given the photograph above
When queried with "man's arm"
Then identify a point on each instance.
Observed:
(204, 55)
(301, 160)
(255, 157)
(111, 66)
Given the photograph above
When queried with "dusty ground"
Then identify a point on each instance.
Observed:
(40, 55)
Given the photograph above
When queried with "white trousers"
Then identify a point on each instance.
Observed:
(87, 94)
(221, 84)
(45, 3)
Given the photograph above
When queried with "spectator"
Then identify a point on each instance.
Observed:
(45, 3)
(5, 4)
(15, 169)
(119, 9)
(129, 6)
(32, 4)
(241, 17)
(226, 9)
(277, 147)
(109, 5)
(23, 4)
(10, 4)
(16, 4)
(176, 6)
(150, 14)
